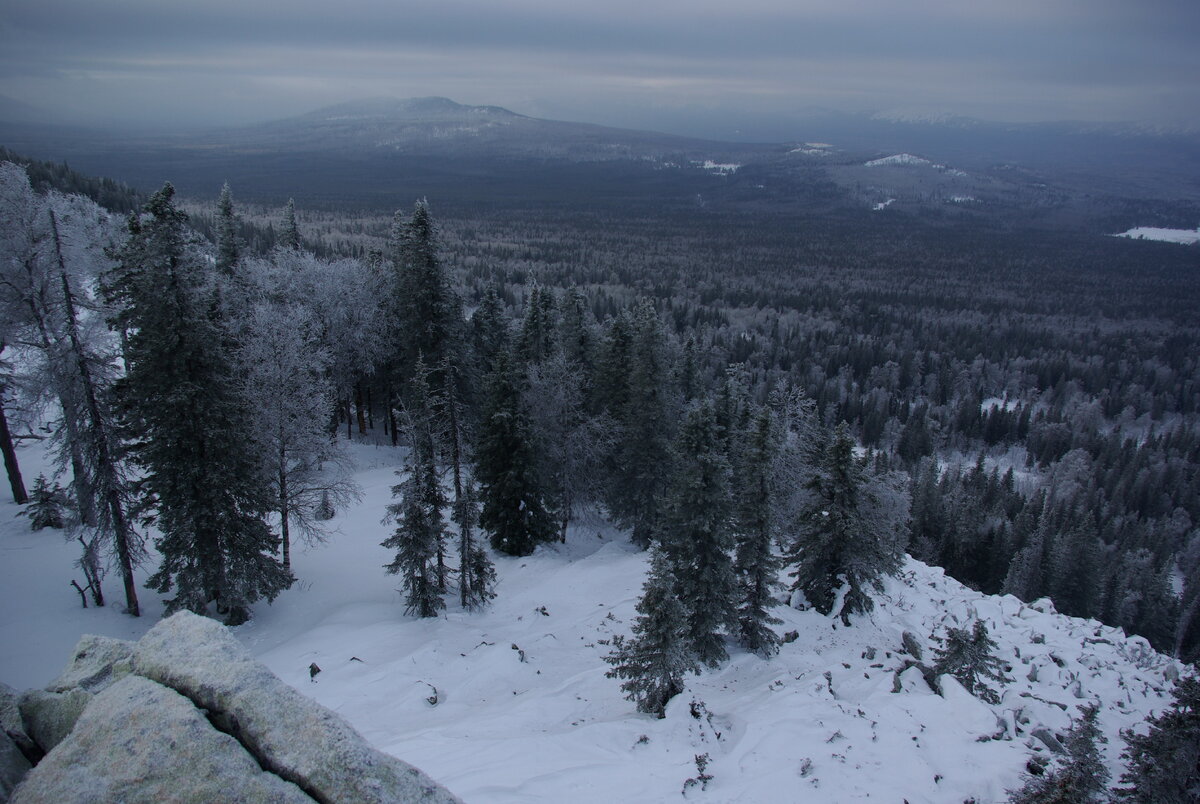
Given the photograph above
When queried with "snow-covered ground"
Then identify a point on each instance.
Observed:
(512, 705)
(1184, 236)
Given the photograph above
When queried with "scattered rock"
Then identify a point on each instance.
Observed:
(910, 645)
(1048, 739)
(791, 636)
(50, 716)
(139, 741)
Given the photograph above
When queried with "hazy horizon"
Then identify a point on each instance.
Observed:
(700, 68)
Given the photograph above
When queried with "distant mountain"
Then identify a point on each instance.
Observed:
(384, 152)
(441, 126)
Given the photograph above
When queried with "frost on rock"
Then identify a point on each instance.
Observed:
(295, 737)
(139, 741)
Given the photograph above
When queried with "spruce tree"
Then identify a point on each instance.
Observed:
(1164, 763)
(229, 251)
(514, 511)
(656, 658)
(756, 564)
(696, 534)
(202, 475)
(46, 503)
(850, 533)
(289, 234)
(1081, 778)
(420, 529)
(970, 657)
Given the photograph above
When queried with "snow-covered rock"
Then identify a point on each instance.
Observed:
(13, 766)
(97, 662)
(50, 716)
(290, 734)
(141, 742)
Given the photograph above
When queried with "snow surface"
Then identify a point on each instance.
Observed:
(898, 159)
(882, 205)
(720, 168)
(1184, 236)
(524, 712)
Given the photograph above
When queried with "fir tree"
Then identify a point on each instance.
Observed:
(420, 530)
(289, 234)
(46, 503)
(514, 512)
(229, 251)
(203, 477)
(656, 658)
(1164, 763)
(850, 533)
(1081, 778)
(756, 565)
(970, 657)
(696, 534)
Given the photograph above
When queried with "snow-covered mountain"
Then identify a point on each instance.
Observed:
(512, 704)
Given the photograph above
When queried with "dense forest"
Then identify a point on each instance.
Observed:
(764, 404)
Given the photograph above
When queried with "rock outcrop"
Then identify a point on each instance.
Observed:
(186, 714)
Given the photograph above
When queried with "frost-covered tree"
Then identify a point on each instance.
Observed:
(203, 477)
(56, 253)
(970, 657)
(756, 565)
(1164, 763)
(696, 534)
(569, 444)
(285, 384)
(289, 233)
(476, 575)
(1081, 777)
(229, 250)
(849, 535)
(655, 659)
(514, 511)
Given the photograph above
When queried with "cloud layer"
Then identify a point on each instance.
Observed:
(649, 64)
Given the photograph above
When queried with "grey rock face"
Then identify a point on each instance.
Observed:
(141, 742)
(289, 734)
(13, 766)
(12, 725)
(96, 663)
(50, 716)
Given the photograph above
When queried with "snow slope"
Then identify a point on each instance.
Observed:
(512, 705)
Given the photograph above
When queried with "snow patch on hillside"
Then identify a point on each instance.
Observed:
(898, 159)
(720, 168)
(1184, 236)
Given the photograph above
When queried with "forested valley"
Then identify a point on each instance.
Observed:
(772, 406)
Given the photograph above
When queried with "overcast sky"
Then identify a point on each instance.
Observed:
(736, 64)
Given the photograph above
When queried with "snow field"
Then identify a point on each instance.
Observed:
(511, 704)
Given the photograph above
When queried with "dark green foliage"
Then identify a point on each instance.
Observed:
(756, 564)
(1081, 778)
(655, 659)
(696, 534)
(970, 657)
(634, 389)
(289, 234)
(202, 479)
(46, 505)
(850, 533)
(420, 528)
(229, 250)
(514, 511)
(1164, 764)
(112, 195)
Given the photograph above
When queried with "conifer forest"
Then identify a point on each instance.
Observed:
(775, 408)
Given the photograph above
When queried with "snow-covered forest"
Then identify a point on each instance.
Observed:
(737, 554)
